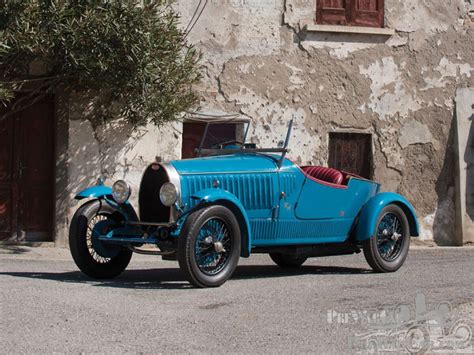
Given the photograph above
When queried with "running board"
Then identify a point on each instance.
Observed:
(311, 250)
(151, 252)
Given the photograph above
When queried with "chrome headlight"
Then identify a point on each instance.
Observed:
(168, 194)
(121, 191)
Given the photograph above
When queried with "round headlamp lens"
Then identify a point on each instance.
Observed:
(121, 191)
(168, 194)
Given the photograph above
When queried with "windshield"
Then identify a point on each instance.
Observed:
(223, 135)
(214, 143)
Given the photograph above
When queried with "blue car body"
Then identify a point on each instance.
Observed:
(233, 200)
(275, 202)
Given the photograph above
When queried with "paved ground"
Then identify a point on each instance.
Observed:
(324, 307)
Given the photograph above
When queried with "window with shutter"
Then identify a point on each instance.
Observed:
(193, 132)
(351, 152)
(332, 12)
(369, 13)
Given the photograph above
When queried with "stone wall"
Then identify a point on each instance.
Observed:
(260, 61)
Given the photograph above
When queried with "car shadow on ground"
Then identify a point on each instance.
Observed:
(13, 249)
(172, 278)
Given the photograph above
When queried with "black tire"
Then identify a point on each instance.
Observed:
(191, 237)
(91, 262)
(373, 247)
(287, 261)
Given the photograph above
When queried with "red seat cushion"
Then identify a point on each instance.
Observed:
(326, 174)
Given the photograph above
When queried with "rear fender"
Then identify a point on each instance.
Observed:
(104, 193)
(229, 200)
(370, 212)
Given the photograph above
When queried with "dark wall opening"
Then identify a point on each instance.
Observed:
(217, 133)
(351, 152)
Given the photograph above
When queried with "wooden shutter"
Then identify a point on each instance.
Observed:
(332, 12)
(350, 12)
(367, 13)
(193, 131)
(351, 152)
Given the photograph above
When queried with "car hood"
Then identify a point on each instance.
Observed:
(244, 162)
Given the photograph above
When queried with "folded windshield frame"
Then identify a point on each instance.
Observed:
(218, 151)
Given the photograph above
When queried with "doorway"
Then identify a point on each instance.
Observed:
(27, 174)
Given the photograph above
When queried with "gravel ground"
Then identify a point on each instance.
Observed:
(330, 305)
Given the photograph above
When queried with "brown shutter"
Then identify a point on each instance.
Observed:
(351, 152)
(367, 13)
(332, 12)
(217, 133)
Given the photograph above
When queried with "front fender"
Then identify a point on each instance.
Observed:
(370, 212)
(233, 203)
(98, 191)
(102, 192)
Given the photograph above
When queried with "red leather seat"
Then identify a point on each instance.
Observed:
(326, 174)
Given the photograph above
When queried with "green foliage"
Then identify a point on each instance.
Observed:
(133, 58)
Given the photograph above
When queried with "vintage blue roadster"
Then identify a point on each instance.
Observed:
(234, 200)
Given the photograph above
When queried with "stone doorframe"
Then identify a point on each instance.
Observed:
(62, 195)
(464, 232)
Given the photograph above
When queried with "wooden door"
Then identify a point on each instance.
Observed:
(26, 174)
(8, 187)
(351, 152)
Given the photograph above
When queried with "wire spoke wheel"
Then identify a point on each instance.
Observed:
(390, 237)
(209, 246)
(90, 235)
(387, 249)
(213, 246)
(94, 257)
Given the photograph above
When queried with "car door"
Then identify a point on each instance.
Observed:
(320, 200)
(325, 213)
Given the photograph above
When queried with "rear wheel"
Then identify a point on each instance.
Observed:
(387, 250)
(93, 257)
(209, 246)
(287, 261)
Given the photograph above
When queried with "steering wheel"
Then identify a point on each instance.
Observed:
(226, 143)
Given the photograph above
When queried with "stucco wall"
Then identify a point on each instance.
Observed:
(259, 61)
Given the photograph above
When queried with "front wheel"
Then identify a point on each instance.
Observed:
(209, 246)
(387, 250)
(93, 257)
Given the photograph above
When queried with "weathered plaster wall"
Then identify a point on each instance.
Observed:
(259, 61)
